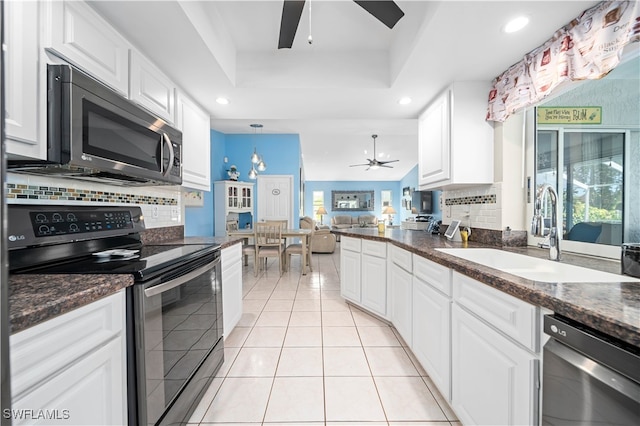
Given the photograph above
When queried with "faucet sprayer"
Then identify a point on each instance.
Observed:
(537, 224)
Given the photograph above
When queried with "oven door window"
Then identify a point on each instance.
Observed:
(180, 329)
(109, 135)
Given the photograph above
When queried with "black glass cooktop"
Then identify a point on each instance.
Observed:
(147, 263)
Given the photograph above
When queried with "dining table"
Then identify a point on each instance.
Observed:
(303, 234)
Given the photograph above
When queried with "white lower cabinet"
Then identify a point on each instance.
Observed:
(400, 303)
(231, 264)
(350, 274)
(71, 370)
(432, 334)
(494, 381)
(363, 273)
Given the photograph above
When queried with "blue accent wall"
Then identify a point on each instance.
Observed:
(281, 153)
(199, 220)
(376, 186)
(409, 180)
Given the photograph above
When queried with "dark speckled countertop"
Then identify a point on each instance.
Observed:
(612, 308)
(35, 298)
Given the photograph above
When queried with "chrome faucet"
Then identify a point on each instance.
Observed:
(537, 224)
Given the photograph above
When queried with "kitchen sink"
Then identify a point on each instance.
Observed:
(534, 268)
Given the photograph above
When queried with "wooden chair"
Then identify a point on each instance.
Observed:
(268, 241)
(297, 249)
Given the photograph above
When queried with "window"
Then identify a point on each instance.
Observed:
(385, 198)
(590, 181)
(318, 201)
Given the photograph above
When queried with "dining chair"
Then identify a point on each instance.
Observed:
(296, 248)
(268, 239)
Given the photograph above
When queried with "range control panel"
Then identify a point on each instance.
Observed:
(75, 222)
(36, 225)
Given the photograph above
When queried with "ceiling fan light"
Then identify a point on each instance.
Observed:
(374, 167)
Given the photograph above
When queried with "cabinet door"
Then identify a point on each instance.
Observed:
(231, 287)
(374, 284)
(78, 34)
(401, 305)
(196, 145)
(91, 391)
(21, 79)
(350, 275)
(434, 142)
(494, 380)
(432, 334)
(150, 88)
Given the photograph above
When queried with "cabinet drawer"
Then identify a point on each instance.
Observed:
(434, 274)
(230, 256)
(374, 248)
(511, 316)
(44, 349)
(402, 258)
(352, 244)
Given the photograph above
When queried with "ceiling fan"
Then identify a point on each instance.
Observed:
(384, 11)
(375, 164)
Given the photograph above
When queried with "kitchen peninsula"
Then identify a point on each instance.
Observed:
(612, 308)
(478, 331)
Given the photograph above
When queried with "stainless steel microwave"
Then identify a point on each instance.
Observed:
(94, 133)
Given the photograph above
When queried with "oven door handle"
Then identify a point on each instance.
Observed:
(161, 288)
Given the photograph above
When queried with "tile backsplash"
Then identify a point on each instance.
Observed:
(478, 207)
(161, 206)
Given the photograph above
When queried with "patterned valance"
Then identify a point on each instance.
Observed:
(587, 48)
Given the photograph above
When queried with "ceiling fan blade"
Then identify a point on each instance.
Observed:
(386, 12)
(291, 13)
(356, 165)
(382, 165)
(385, 162)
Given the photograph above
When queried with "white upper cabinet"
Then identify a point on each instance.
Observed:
(455, 142)
(196, 143)
(150, 88)
(21, 80)
(78, 34)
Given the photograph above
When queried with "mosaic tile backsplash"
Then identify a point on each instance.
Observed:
(478, 207)
(161, 206)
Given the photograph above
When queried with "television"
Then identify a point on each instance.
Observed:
(422, 201)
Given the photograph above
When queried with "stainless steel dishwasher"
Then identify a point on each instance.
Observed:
(588, 378)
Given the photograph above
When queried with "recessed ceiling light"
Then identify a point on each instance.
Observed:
(222, 101)
(404, 101)
(516, 24)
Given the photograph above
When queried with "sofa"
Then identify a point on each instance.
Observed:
(342, 221)
(322, 241)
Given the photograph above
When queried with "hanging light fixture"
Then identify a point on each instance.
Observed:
(256, 160)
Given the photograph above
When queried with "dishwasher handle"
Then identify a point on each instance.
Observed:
(597, 371)
(602, 348)
(161, 288)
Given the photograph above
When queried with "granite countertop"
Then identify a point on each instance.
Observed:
(35, 298)
(612, 308)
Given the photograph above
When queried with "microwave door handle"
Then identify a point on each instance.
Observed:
(165, 139)
(161, 288)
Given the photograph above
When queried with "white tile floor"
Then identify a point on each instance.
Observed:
(301, 355)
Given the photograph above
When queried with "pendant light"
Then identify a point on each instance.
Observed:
(256, 160)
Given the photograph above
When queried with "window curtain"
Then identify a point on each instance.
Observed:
(587, 48)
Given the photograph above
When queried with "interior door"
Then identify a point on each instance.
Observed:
(275, 198)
